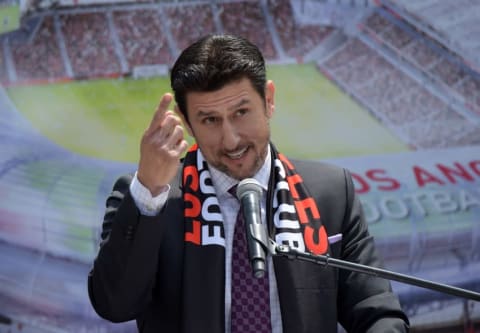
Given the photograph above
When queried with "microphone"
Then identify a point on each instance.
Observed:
(249, 193)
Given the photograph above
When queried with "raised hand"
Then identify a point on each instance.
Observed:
(161, 147)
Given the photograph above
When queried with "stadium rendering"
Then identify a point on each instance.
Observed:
(80, 80)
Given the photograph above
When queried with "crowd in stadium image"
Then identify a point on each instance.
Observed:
(110, 41)
(79, 43)
(412, 66)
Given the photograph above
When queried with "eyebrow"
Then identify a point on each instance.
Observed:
(242, 102)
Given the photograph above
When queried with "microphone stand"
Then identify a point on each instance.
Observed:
(326, 260)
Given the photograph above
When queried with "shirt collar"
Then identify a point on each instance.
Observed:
(223, 182)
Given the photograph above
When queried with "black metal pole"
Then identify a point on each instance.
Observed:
(326, 260)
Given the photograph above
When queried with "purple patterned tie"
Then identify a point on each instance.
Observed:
(250, 295)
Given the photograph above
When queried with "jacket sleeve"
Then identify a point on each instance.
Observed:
(365, 303)
(123, 275)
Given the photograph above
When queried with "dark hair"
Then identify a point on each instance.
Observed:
(214, 61)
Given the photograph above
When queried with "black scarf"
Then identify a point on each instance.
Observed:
(292, 216)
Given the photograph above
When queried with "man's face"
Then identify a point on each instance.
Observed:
(231, 126)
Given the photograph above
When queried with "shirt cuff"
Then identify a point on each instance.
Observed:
(146, 204)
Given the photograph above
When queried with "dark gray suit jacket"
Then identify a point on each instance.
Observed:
(138, 271)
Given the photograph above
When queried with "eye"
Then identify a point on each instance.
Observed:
(209, 120)
(241, 112)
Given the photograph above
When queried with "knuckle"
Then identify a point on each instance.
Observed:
(173, 119)
(177, 130)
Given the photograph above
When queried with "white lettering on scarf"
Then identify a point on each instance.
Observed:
(211, 233)
(293, 238)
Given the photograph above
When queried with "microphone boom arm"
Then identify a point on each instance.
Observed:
(326, 260)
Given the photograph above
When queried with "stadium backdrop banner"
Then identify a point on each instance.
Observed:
(70, 127)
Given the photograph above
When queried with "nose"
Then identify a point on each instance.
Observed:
(230, 136)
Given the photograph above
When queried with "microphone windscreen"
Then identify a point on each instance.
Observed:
(248, 185)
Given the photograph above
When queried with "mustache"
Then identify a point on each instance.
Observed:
(236, 149)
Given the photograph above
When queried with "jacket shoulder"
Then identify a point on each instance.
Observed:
(318, 174)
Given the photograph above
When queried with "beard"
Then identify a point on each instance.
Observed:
(259, 156)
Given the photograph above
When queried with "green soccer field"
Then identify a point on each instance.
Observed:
(9, 18)
(106, 118)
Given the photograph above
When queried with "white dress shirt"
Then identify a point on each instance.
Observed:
(230, 205)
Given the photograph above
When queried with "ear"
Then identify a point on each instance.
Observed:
(269, 98)
(184, 121)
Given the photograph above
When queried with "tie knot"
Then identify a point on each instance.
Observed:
(233, 190)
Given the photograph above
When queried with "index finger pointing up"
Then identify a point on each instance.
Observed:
(160, 112)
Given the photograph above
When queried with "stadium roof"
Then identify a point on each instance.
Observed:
(456, 22)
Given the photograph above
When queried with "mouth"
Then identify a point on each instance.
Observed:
(238, 154)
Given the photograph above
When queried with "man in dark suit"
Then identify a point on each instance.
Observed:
(169, 256)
